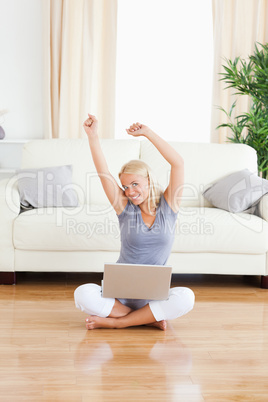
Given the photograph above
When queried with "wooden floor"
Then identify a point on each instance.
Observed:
(218, 352)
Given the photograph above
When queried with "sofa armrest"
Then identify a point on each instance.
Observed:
(9, 210)
(263, 207)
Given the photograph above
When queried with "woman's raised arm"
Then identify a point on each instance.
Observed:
(173, 192)
(114, 193)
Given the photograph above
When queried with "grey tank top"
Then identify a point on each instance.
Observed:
(143, 245)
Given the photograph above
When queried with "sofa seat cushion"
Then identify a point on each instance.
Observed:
(91, 228)
(87, 228)
(214, 230)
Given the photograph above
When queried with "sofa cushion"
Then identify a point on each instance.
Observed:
(237, 192)
(204, 163)
(47, 187)
(198, 230)
(217, 231)
(86, 228)
(76, 152)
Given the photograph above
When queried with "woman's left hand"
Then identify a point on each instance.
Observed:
(138, 129)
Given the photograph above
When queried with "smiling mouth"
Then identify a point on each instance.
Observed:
(134, 198)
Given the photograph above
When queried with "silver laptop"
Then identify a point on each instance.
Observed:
(133, 281)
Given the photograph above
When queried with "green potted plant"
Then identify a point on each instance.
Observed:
(250, 77)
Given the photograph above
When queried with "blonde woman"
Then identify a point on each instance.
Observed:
(147, 219)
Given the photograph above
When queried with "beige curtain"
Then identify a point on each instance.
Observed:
(79, 65)
(238, 25)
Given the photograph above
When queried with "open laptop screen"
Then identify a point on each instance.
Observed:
(135, 281)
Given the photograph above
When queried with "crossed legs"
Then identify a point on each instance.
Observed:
(123, 316)
(114, 313)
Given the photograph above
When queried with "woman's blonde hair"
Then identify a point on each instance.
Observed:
(142, 169)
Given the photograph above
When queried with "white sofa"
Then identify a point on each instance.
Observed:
(208, 240)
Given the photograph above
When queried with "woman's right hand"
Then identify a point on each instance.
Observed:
(91, 126)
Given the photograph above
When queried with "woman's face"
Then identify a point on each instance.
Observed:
(136, 187)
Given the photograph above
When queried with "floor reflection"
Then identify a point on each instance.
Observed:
(136, 359)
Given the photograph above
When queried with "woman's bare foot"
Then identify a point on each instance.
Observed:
(159, 324)
(94, 322)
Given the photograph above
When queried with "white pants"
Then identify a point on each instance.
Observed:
(88, 298)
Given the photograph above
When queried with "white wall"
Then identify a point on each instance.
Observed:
(21, 84)
(164, 67)
(21, 75)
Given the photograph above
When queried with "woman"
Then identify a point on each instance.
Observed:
(147, 220)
